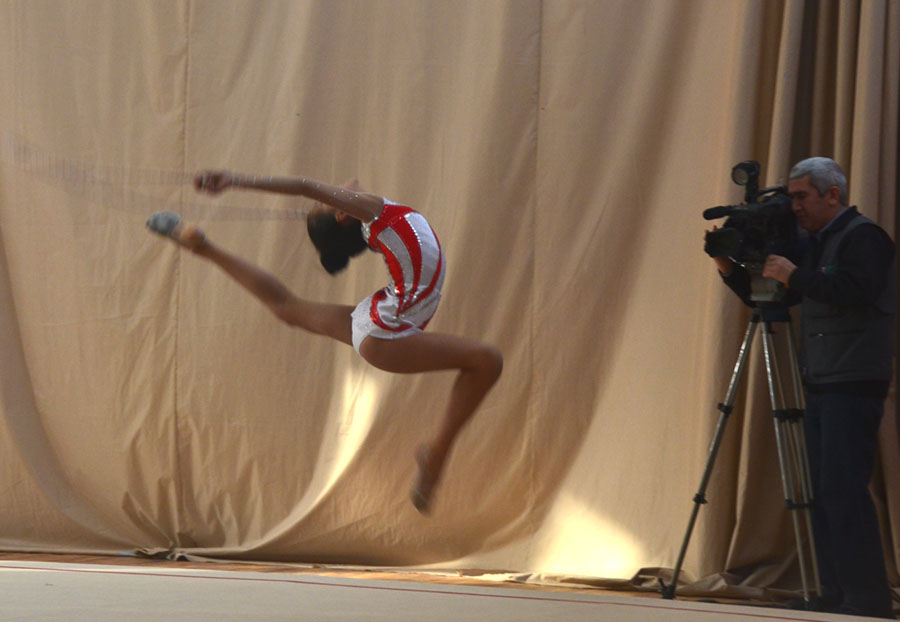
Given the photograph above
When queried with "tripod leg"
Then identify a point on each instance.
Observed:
(795, 369)
(792, 459)
(725, 408)
(805, 472)
(804, 500)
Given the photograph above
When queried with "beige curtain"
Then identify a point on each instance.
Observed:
(563, 150)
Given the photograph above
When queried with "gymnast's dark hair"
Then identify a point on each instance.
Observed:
(336, 242)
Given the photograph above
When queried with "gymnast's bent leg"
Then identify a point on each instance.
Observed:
(479, 365)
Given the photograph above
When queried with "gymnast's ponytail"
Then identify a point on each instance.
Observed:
(336, 242)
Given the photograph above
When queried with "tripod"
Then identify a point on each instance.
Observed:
(792, 458)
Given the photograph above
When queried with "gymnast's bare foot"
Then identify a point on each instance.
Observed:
(170, 225)
(426, 481)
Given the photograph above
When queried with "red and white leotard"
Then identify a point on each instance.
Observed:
(416, 264)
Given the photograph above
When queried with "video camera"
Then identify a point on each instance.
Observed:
(761, 226)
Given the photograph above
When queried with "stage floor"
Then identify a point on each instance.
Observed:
(77, 588)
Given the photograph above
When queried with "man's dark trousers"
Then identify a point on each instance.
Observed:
(842, 437)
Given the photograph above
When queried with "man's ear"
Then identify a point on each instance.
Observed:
(834, 194)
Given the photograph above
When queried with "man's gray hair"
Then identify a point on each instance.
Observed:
(823, 174)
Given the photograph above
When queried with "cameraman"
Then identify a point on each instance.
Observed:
(845, 284)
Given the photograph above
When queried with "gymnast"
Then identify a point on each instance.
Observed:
(387, 328)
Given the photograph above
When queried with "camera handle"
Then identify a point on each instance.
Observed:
(792, 456)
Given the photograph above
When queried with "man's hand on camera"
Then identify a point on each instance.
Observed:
(778, 268)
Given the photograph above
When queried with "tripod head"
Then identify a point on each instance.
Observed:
(763, 289)
(770, 312)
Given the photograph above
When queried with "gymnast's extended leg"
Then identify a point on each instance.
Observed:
(331, 320)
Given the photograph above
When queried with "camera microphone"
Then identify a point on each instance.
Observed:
(718, 212)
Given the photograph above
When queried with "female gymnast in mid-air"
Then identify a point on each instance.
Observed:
(387, 328)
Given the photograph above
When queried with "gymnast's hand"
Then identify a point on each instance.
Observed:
(213, 182)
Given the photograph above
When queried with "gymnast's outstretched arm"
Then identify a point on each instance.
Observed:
(347, 198)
